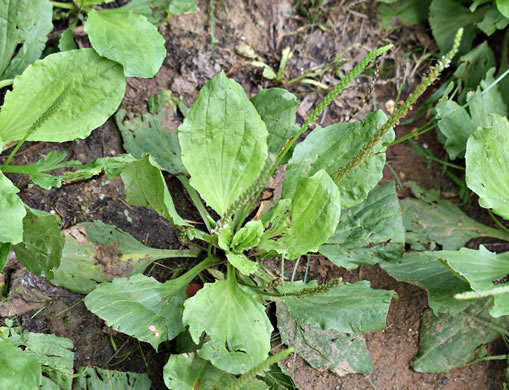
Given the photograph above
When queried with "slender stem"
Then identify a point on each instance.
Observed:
(497, 221)
(250, 375)
(59, 4)
(20, 143)
(195, 198)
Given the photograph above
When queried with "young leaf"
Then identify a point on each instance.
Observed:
(36, 171)
(18, 370)
(224, 311)
(487, 165)
(424, 270)
(111, 166)
(248, 237)
(140, 307)
(369, 232)
(184, 372)
(242, 263)
(62, 97)
(129, 39)
(24, 32)
(12, 212)
(341, 353)
(448, 342)
(54, 355)
(92, 378)
(430, 219)
(278, 109)
(145, 186)
(454, 123)
(66, 41)
(95, 252)
(330, 148)
(348, 308)
(314, 214)
(42, 244)
(223, 141)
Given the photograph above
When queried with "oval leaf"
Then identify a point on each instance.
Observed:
(63, 97)
(331, 148)
(487, 165)
(314, 213)
(223, 142)
(127, 38)
(224, 312)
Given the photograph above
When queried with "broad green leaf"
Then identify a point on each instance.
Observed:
(423, 269)
(177, 7)
(430, 220)
(145, 186)
(503, 7)
(184, 372)
(18, 370)
(127, 38)
(487, 165)
(62, 97)
(369, 232)
(146, 135)
(36, 171)
(242, 263)
(278, 378)
(332, 147)
(95, 378)
(278, 109)
(482, 269)
(446, 17)
(493, 20)
(341, 353)
(455, 124)
(447, 342)
(42, 244)
(348, 308)
(24, 29)
(95, 252)
(54, 355)
(486, 100)
(472, 68)
(314, 214)
(12, 212)
(248, 237)
(407, 12)
(5, 249)
(140, 307)
(223, 141)
(224, 311)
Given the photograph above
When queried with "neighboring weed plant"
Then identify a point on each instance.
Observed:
(224, 153)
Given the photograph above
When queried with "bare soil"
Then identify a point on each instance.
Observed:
(344, 28)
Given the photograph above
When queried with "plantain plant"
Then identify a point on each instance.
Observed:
(224, 153)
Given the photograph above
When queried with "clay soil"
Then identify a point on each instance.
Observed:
(343, 28)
